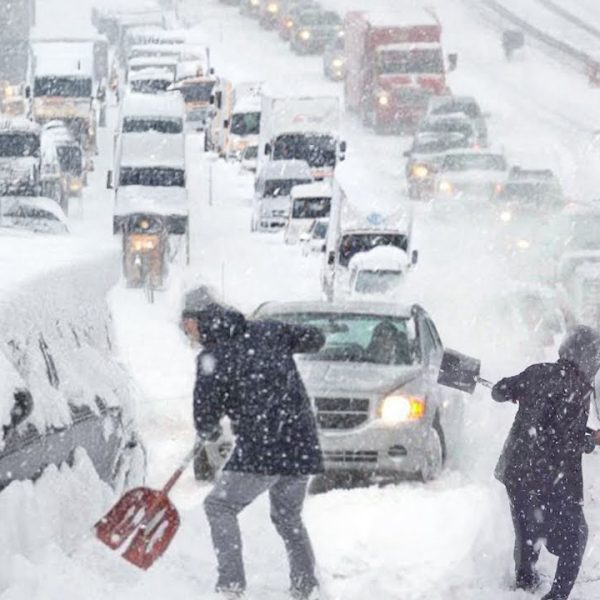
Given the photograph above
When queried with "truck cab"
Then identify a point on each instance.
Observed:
(20, 157)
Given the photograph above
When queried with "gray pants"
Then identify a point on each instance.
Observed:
(233, 491)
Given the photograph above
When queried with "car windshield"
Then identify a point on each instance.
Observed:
(66, 87)
(197, 92)
(70, 159)
(376, 282)
(446, 126)
(33, 219)
(316, 150)
(360, 338)
(281, 187)
(14, 144)
(354, 243)
(391, 62)
(152, 176)
(149, 86)
(432, 143)
(474, 162)
(311, 208)
(539, 193)
(470, 109)
(245, 123)
(144, 124)
(319, 231)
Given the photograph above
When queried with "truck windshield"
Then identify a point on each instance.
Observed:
(354, 243)
(197, 92)
(144, 124)
(281, 187)
(149, 86)
(64, 87)
(359, 338)
(19, 144)
(245, 123)
(70, 159)
(311, 208)
(316, 150)
(152, 176)
(392, 62)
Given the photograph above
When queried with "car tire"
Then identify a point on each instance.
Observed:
(434, 455)
(203, 471)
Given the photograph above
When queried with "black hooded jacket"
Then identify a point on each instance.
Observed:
(549, 435)
(246, 371)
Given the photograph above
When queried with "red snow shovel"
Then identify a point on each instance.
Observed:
(148, 517)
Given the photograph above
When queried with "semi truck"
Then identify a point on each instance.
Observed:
(16, 19)
(302, 128)
(394, 63)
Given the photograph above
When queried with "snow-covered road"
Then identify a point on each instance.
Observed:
(450, 539)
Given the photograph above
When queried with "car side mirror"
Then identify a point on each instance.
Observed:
(27, 91)
(343, 147)
(211, 99)
(267, 149)
(323, 248)
(22, 407)
(109, 182)
(226, 124)
(219, 99)
(331, 259)
(452, 61)
(407, 154)
(414, 259)
(211, 71)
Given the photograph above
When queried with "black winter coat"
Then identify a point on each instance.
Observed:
(548, 437)
(246, 371)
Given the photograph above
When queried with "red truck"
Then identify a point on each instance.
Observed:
(394, 62)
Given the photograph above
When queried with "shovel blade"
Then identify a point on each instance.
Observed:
(125, 517)
(153, 537)
(459, 371)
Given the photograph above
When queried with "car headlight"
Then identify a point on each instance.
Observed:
(446, 187)
(305, 34)
(337, 63)
(506, 216)
(499, 188)
(399, 408)
(289, 23)
(420, 171)
(254, 2)
(75, 185)
(341, 33)
(523, 244)
(273, 7)
(383, 98)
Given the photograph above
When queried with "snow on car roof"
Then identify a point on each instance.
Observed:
(19, 124)
(319, 189)
(169, 105)
(150, 73)
(153, 149)
(408, 17)
(63, 59)
(381, 258)
(153, 61)
(9, 203)
(286, 169)
(384, 309)
(151, 199)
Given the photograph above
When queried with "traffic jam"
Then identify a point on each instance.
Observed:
(340, 259)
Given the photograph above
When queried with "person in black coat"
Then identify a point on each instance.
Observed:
(540, 464)
(246, 371)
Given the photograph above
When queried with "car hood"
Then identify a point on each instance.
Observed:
(151, 199)
(354, 378)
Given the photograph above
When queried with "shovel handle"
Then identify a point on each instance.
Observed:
(485, 382)
(179, 472)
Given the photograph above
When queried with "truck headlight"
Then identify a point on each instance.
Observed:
(254, 2)
(523, 244)
(289, 23)
(383, 98)
(506, 216)
(337, 63)
(446, 187)
(420, 171)
(305, 34)
(273, 7)
(400, 408)
(75, 185)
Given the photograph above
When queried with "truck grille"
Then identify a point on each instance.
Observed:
(345, 456)
(341, 413)
(414, 96)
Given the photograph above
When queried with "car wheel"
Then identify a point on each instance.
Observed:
(434, 456)
(203, 470)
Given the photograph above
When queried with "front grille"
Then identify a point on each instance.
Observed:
(346, 456)
(341, 413)
(413, 96)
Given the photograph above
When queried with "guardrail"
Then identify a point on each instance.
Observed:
(590, 65)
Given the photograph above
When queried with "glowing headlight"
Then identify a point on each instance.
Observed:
(9, 91)
(398, 408)
(254, 2)
(383, 99)
(305, 34)
(523, 244)
(289, 23)
(75, 185)
(341, 33)
(337, 63)
(506, 216)
(498, 188)
(446, 187)
(273, 7)
(420, 171)
(144, 244)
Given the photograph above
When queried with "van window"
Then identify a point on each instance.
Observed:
(152, 176)
(144, 124)
(282, 187)
(311, 208)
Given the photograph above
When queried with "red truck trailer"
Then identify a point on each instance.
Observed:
(394, 62)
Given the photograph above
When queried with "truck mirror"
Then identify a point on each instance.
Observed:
(22, 407)
(226, 124)
(212, 99)
(415, 257)
(331, 259)
(406, 154)
(27, 91)
(267, 149)
(211, 71)
(109, 183)
(219, 99)
(343, 147)
(452, 61)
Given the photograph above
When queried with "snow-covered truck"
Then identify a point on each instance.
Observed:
(65, 87)
(302, 128)
(394, 63)
(16, 19)
(20, 157)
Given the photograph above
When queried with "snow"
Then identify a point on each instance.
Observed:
(156, 199)
(153, 149)
(63, 59)
(319, 189)
(380, 258)
(407, 17)
(169, 105)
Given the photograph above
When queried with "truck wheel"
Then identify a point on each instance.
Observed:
(203, 470)
(435, 454)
